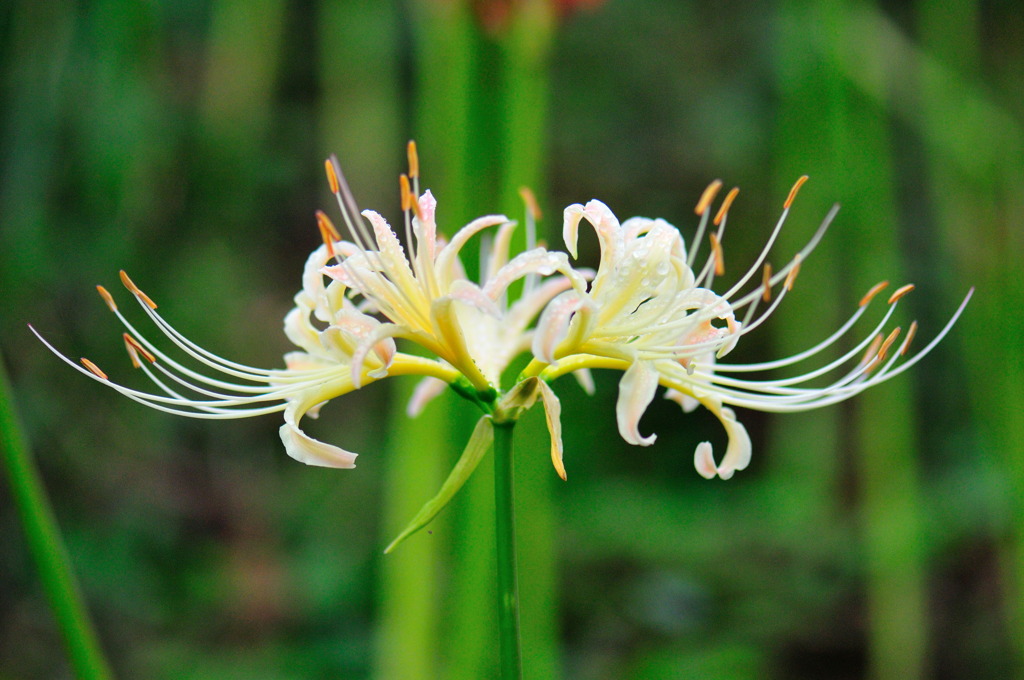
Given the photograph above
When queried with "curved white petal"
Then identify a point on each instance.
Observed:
(553, 416)
(686, 402)
(553, 325)
(425, 392)
(377, 337)
(586, 380)
(471, 294)
(571, 217)
(738, 450)
(536, 261)
(425, 227)
(450, 253)
(704, 461)
(636, 391)
(301, 332)
(304, 448)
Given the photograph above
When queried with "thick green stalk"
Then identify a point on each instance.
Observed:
(446, 59)
(46, 546)
(505, 535)
(525, 54)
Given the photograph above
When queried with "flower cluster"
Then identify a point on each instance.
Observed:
(649, 310)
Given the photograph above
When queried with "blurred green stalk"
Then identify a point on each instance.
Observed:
(46, 546)
(445, 55)
(481, 115)
(884, 445)
(525, 48)
(850, 131)
(410, 622)
(505, 537)
(976, 181)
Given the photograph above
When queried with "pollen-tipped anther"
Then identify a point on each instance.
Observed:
(900, 292)
(766, 283)
(107, 297)
(328, 232)
(135, 348)
(793, 191)
(326, 226)
(791, 276)
(531, 202)
(875, 290)
(94, 369)
(716, 251)
(130, 285)
(332, 176)
(911, 332)
(872, 350)
(414, 159)
(726, 204)
(407, 197)
(884, 350)
(707, 197)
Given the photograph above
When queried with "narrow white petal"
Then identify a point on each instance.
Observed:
(553, 325)
(571, 217)
(304, 448)
(586, 380)
(686, 402)
(553, 416)
(738, 451)
(636, 391)
(425, 392)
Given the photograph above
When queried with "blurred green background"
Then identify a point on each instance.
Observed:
(184, 142)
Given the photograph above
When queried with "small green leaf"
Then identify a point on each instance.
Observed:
(479, 444)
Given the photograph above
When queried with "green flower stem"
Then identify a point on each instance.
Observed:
(46, 546)
(505, 533)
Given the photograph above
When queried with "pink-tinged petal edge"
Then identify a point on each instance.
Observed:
(553, 325)
(704, 461)
(424, 392)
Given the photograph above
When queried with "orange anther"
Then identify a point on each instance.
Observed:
(911, 332)
(325, 224)
(872, 351)
(130, 285)
(107, 297)
(94, 369)
(766, 281)
(900, 292)
(325, 235)
(135, 345)
(407, 193)
(792, 192)
(531, 202)
(791, 276)
(729, 198)
(414, 159)
(716, 250)
(888, 343)
(332, 176)
(707, 197)
(875, 290)
(415, 205)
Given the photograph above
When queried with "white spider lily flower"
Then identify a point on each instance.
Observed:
(227, 390)
(649, 314)
(358, 296)
(425, 297)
